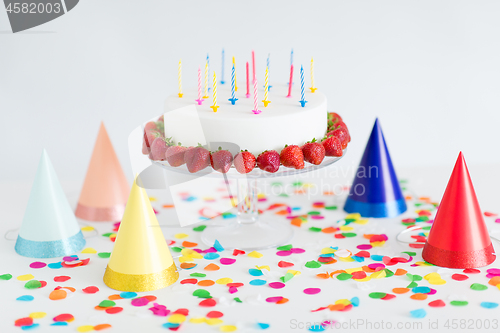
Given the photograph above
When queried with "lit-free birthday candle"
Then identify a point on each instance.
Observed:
(268, 68)
(200, 98)
(235, 80)
(266, 88)
(214, 94)
(248, 84)
(313, 88)
(253, 66)
(205, 91)
(233, 99)
(302, 100)
(290, 82)
(179, 77)
(222, 69)
(255, 97)
(291, 58)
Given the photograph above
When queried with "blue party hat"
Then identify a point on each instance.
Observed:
(375, 191)
(49, 226)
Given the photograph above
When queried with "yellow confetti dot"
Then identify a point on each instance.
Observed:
(354, 216)
(85, 328)
(352, 270)
(377, 244)
(191, 253)
(343, 301)
(199, 320)
(308, 185)
(328, 250)
(362, 221)
(152, 199)
(255, 254)
(348, 259)
(378, 275)
(89, 250)
(37, 315)
(208, 199)
(423, 263)
(213, 321)
(224, 281)
(346, 228)
(437, 281)
(432, 276)
(498, 286)
(263, 267)
(87, 228)
(25, 277)
(295, 273)
(185, 259)
(180, 236)
(261, 196)
(228, 328)
(176, 318)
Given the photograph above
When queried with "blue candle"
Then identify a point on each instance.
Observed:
(222, 70)
(291, 58)
(233, 99)
(302, 101)
(208, 70)
(268, 70)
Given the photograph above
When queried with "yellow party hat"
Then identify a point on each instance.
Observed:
(141, 259)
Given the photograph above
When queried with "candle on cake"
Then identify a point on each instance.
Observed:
(233, 99)
(200, 97)
(247, 95)
(302, 99)
(222, 69)
(266, 88)
(214, 94)
(313, 88)
(235, 80)
(179, 78)
(205, 91)
(290, 82)
(255, 98)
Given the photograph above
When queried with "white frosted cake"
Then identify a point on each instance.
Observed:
(283, 122)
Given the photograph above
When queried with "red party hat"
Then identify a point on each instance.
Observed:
(458, 237)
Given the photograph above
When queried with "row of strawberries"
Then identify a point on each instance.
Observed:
(198, 158)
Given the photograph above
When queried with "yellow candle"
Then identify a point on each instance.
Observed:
(235, 81)
(313, 89)
(266, 88)
(205, 91)
(179, 76)
(214, 94)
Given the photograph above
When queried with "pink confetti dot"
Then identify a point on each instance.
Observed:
(364, 246)
(69, 258)
(312, 291)
(38, 264)
(317, 217)
(297, 250)
(227, 261)
(274, 299)
(276, 285)
(141, 301)
(493, 271)
(232, 290)
(497, 220)
(284, 253)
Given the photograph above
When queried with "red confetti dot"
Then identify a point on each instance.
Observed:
(339, 236)
(490, 214)
(459, 277)
(358, 275)
(416, 245)
(64, 317)
(437, 303)
(90, 290)
(26, 321)
(214, 314)
(238, 252)
(189, 281)
(114, 310)
(285, 264)
(208, 302)
(183, 312)
(471, 271)
(61, 278)
(150, 298)
(43, 283)
(388, 297)
(235, 284)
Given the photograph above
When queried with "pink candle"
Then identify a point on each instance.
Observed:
(200, 98)
(290, 83)
(255, 97)
(248, 83)
(253, 65)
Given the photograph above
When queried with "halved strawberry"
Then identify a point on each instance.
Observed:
(314, 152)
(221, 160)
(197, 158)
(175, 155)
(292, 157)
(244, 161)
(332, 145)
(269, 161)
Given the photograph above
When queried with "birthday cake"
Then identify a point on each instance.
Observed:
(229, 128)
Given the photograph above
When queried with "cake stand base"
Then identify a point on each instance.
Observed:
(259, 235)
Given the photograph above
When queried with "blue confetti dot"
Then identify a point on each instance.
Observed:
(419, 313)
(217, 246)
(255, 272)
(358, 259)
(25, 298)
(170, 325)
(59, 323)
(128, 295)
(295, 208)
(263, 326)
(211, 256)
(421, 290)
(55, 265)
(377, 257)
(489, 305)
(257, 282)
(355, 301)
(25, 328)
(316, 328)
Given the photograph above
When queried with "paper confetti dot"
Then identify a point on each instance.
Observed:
(377, 295)
(26, 321)
(6, 277)
(107, 304)
(89, 250)
(459, 303)
(206, 283)
(141, 301)
(255, 254)
(257, 282)
(422, 290)
(489, 305)
(58, 294)
(344, 276)
(312, 264)
(212, 267)
(459, 277)
(208, 302)
(37, 315)
(38, 264)
(312, 291)
(55, 265)
(90, 290)
(419, 313)
(25, 298)
(211, 256)
(224, 281)
(276, 285)
(478, 286)
(101, 327)
(25, 277)
(113, 310)
(255, 272)
(85, 328)
(64, 317)
(104, 254)
(181, 235)
(400, 290)
(227, 261)
(61, 278)
(201, 293)
(228, 328)
(128, 294)
(214, 314)
(33, 284)
(437, 303)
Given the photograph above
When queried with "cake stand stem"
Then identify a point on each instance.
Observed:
(247, 201)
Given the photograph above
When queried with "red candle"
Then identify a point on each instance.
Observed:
(290, 83)
(253, 65)
(248, 83)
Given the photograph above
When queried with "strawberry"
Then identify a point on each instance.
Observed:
(269, 161)
(333, 118)
(244, 161)
(197, 158)
(159, 148)
(175, 155)
(342, 134)
(314, 152)
(221, 160)
(332, 145)
(150, 131)
(292, 157)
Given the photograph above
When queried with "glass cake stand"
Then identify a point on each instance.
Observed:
(249, 230)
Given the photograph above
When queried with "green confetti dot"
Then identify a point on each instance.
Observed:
(418, 204)
(107, 234)
(347, 221)
(412, 254)
(104, 254)
(388, 273)
(287, 277)
(285, 247)
(331, 207)
(349, 234)
(33, 284)
(176, 249)
(459, 303)
(107, 304)
(377, 295)
(202, 293)
(314, 212)
(412, 285)
(478, 286)
(313, 264)
(296, 184)
(6, 277)
(237, 299)
(199, 228)
(344, 276)
(283, 195)
(422, 218)
(426, 227)
(315, 229)
(198, 275)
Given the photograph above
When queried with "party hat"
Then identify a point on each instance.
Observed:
(458, 237)
(105, 190)
(141, 260)
(49, 226)
(375, 191)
